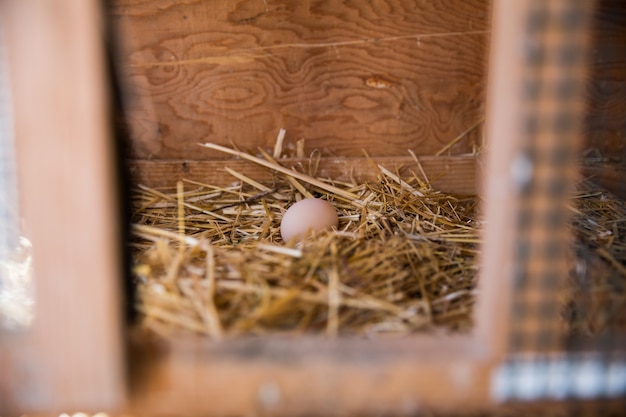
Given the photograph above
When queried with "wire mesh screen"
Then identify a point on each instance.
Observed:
(567, 330)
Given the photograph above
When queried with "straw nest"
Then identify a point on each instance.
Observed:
(210, 260)
(597, 304)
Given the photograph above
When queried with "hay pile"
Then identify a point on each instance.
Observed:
(210, 259)
(598, 278)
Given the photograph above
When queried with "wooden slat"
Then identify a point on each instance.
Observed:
(288, 377)
(503, 107)
(448, 174)
(71, 357)
(346, 76)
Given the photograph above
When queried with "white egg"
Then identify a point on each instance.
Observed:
(306, 216)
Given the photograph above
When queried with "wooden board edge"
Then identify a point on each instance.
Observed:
(341, 377)
(72, 356)
(456, 175)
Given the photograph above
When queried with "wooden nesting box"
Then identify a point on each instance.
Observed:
(444, 79)
(344, 78)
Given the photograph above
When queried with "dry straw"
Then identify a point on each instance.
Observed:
(598, 281)
(210, 259)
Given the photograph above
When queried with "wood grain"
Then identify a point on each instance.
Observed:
(605, 124)
(71, 358)
(384, 75)
(312, 376)
(456, 175)
(524, 255)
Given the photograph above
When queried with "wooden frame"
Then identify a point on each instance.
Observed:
(364, 376)
(437, 168)
(79, 365)
(72, 356)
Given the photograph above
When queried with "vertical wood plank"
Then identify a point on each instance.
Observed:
(555, 68)
(534, 130)
(71, 357)
(503, 106)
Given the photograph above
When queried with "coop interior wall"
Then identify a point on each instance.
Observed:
(345, 77)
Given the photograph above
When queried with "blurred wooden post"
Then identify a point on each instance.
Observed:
(534, 118)
(70, 359)
(503, 105)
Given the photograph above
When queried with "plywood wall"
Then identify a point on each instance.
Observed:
(606, 114)
(382, 76)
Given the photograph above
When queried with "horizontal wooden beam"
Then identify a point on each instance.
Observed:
(449, 174)
(282, 376)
